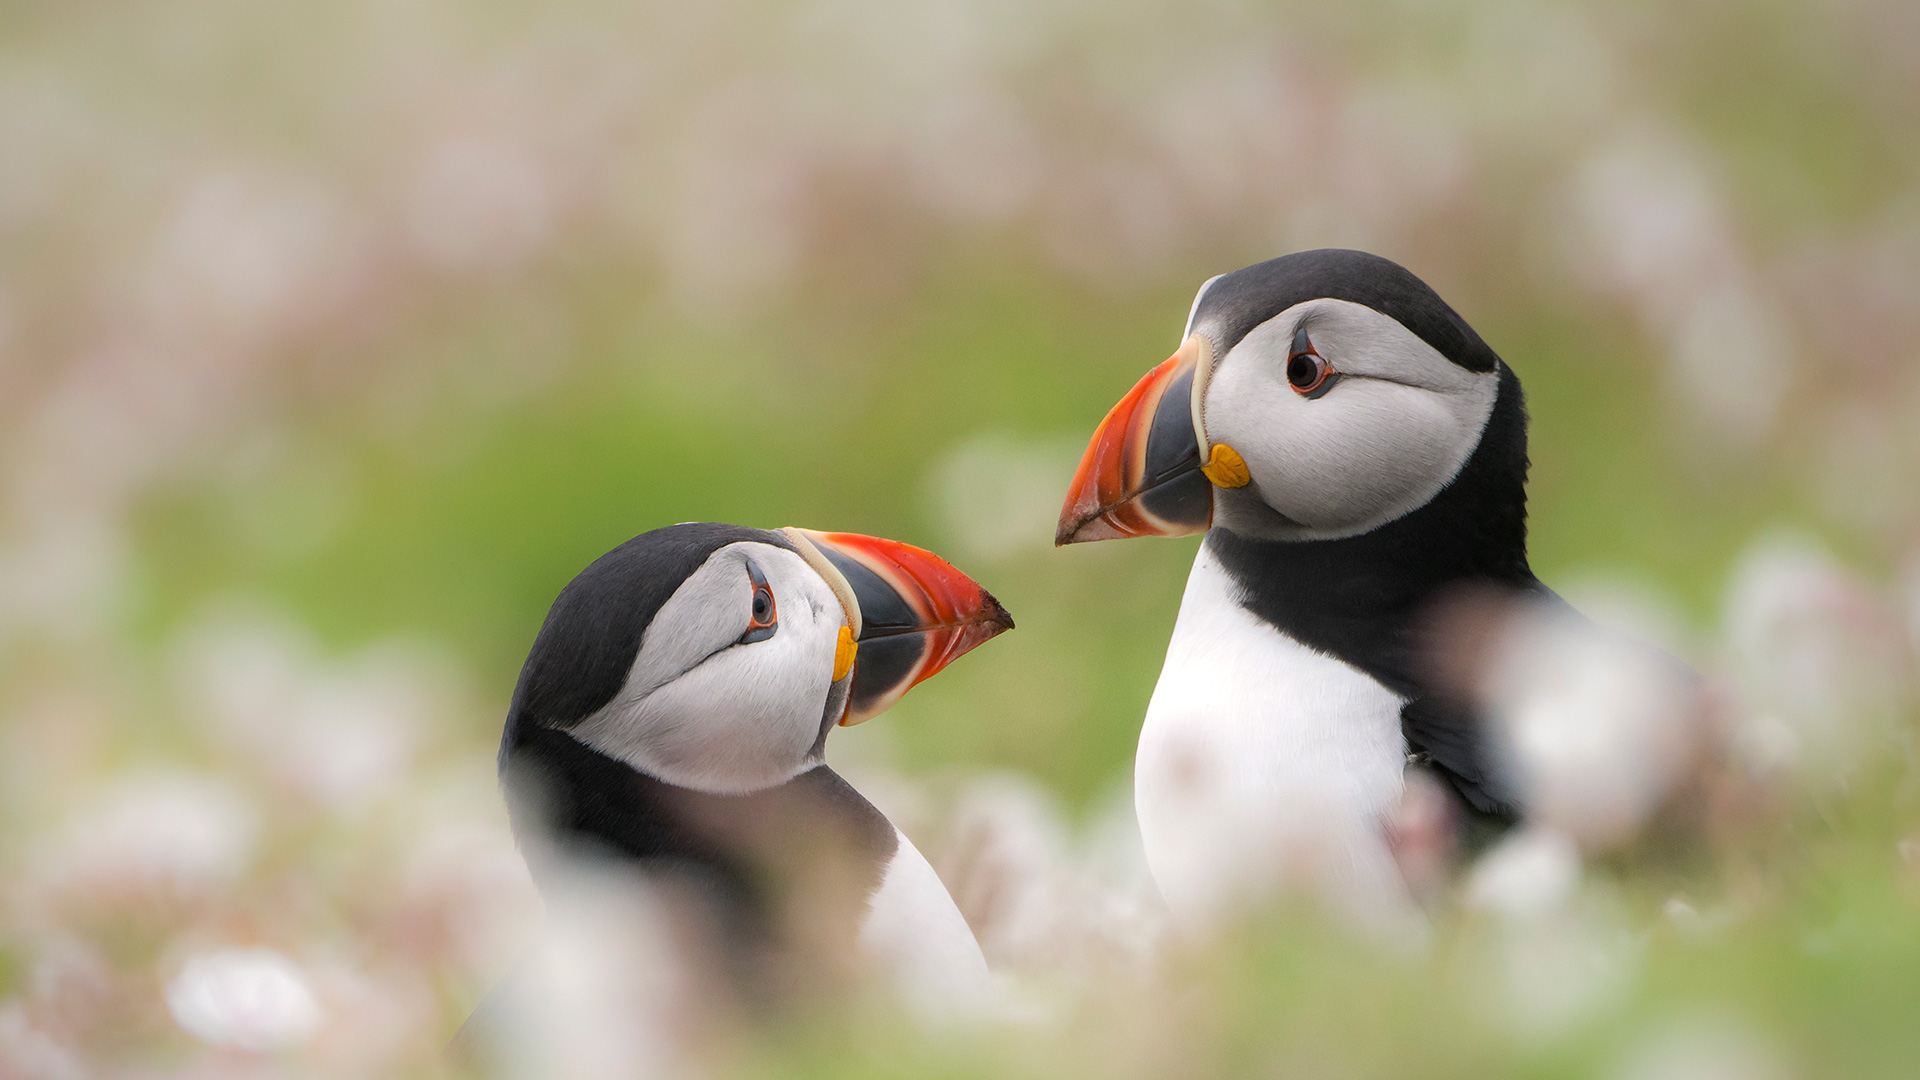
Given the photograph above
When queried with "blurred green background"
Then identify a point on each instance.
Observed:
(390, 315)
(846, 412)
(524, 401)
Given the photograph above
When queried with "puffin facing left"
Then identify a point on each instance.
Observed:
(672, 719)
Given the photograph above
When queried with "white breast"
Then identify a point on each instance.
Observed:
(917, 937)
(1263, 765)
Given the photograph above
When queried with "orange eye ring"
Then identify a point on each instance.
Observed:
(765, 613)
(763, 616)
(1307, 371)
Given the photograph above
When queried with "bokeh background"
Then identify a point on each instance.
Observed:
(334, 339)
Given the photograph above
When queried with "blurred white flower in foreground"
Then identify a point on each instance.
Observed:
(1530, 873)
(1822, 661)
(246, 999)
(1562, 968)
(472, 875)
(604, 992)
(172, 832)
(1597, 726)
(1040, 902)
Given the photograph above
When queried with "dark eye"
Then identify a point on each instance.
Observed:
(764, 617)
(1307, 372)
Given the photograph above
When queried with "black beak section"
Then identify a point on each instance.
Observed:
(917, 614)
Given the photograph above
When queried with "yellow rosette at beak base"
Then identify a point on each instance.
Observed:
(1226, 468)
(843, 653)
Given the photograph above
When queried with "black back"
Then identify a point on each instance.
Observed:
(1242, 300)
(1367, 599)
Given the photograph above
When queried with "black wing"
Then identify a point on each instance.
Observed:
(1454, 744)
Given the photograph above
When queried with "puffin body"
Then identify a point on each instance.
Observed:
(672, 718)
(1356, 456)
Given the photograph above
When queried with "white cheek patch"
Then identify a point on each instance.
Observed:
(1393, 432)
(1386, 450)
(742, 721)
(703, 712)
(707, 613)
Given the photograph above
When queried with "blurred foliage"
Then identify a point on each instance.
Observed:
(387, 317)
(464, 517)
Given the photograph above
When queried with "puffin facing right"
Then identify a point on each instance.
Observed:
(1355, 454)
(671, 720)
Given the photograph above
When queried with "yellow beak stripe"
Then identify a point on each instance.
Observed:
(843, 651)
(1226, 468)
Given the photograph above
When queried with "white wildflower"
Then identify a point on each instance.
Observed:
(1562, 970)
(603, 992)
(1821, 659)
(246, 999)
(1595, 725)
(1530, 873)
(168, 831)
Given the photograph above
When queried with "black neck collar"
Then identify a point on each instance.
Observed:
(747, 856)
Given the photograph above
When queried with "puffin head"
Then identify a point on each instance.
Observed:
(1315, 396)
(717, 658)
